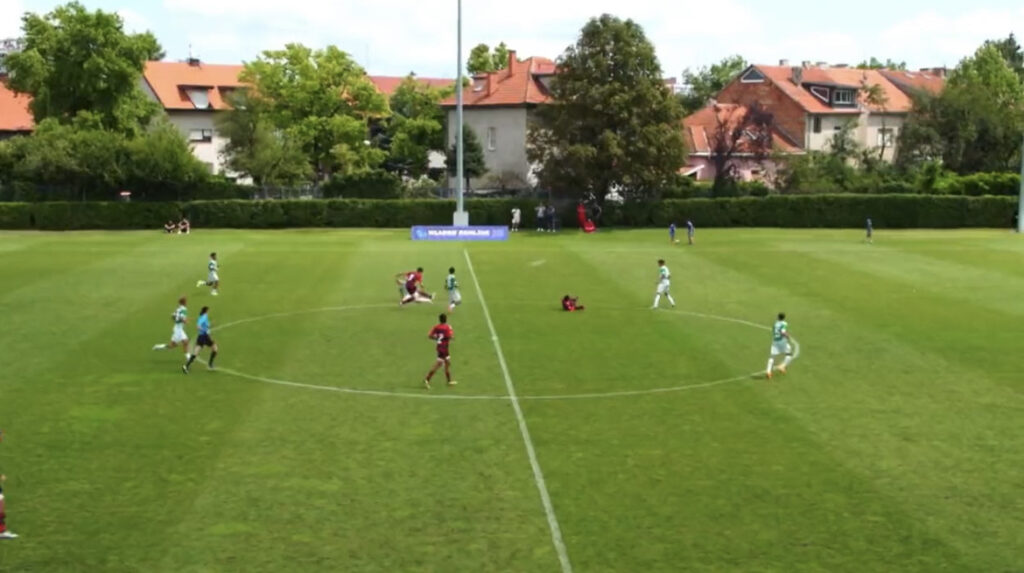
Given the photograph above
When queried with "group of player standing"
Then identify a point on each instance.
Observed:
(203, 326)
(410, 287)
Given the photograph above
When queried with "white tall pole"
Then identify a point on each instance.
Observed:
(1020, 200)
(461, 218)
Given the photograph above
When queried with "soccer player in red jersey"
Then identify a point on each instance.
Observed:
(411, 287)
(442, 334)
(571, 304)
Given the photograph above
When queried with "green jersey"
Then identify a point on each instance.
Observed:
(450, 283)
(180, 314)
(212, 265)
(780, 331)
(663, 273)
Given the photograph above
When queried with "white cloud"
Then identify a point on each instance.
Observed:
(932, 39)
(11, 12)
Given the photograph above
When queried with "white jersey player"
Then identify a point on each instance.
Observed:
(178, 334)
(780, 345)
(212, 278)
(451, 284)
(664, 283)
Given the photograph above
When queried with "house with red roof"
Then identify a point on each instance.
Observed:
(15, 117)
(498, 107)
(811, 103)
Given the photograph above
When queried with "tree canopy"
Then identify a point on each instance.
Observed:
(613, 124)
(74, 61)
(703, 84)
(417, 126)
(876, 64)
(473, 163)
(482, 59)
(322, 101)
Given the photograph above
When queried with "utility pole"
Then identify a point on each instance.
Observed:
(461, 217)
(1020, 200)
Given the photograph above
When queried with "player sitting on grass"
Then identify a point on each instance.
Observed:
(411, 287)
(442, 334)
(571, 304)
(170, 227)
(780, 345)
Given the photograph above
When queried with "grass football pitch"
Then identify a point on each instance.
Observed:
(639, 441)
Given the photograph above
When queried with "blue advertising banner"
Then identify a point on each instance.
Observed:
(472, 233)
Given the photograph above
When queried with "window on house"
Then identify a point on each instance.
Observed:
(843, 97)
(492, 138)
(816, 124)
(820, 93)
(886, 137)
(200, 97)
(752, 76)
(200, 135)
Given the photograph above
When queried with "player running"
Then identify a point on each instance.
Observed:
(204, 339)
(451, 284)
(664, 282)
(780, 345)
(690, 231)
(517, 218)
(178, 335)
(672, 233)
(442, 334)
(4, 533)
(212, 279)
(411, 287)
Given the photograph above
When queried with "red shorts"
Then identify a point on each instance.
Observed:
(410, 288)
(442, 354)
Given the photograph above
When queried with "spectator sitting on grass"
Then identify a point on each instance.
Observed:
(184, 227)
(170, 227)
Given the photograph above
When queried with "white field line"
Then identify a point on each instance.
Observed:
(538, 475)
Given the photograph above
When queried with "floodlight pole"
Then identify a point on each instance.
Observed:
(461, 217)
(1020, 200)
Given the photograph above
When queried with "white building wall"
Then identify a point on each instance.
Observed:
(507, 155)
(194, 122)
(865, 134)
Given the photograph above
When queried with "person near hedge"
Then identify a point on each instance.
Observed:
(170, 227)
(869, 230)
(690, 231)
(4, 532)
(540, 217)
(552, 219)
(184, 227)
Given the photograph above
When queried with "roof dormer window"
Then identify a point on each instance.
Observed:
(200, 97)
(843, 97)
(753, 76)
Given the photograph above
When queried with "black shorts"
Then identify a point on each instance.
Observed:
(204, 340)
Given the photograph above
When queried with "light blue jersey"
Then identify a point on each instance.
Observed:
(203, 324)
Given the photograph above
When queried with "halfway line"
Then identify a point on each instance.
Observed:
(538, 475)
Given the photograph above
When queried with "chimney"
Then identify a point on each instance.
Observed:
(798, 76)
(490, 84)
(511, 62)
(194, 62)
(821, 65)
(783, 63)
(941, 72)
(805, 64)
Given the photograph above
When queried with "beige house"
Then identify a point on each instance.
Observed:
(498, 107)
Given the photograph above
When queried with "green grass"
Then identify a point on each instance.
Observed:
(894, 444)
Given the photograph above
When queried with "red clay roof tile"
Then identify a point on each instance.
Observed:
(699, 127)
(14, 113)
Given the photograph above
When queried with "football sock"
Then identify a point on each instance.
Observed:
(671, 300)
(789, 358)
(657, 299)
(212, 356)
(771, 362)
(448, 374)
(191, 359)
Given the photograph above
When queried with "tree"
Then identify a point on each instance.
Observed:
(702, 85)
(323, 102)
(473, 163)
(1011, 52)
(416, 128)
(483, 60)
(743, 130)
(612, 124)
(74, 61)
(974, 124)
(876, 64)
(257, 149)
(875, 97)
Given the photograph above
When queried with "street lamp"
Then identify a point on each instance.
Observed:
(461, 217)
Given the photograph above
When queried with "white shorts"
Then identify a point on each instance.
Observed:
(663, 287)
(212, 277)
(781, 347)
(454, 297)
(178, 334)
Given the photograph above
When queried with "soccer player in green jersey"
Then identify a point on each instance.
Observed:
(663, 285)
(451, 284)
(212, 278)
(178, 335)
(780, 345)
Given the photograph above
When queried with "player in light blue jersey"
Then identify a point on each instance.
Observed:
(178, 334)
(212, 278)
(204, 339)
(780, 345)
(451, 284)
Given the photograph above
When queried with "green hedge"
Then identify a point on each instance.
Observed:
(840, 211)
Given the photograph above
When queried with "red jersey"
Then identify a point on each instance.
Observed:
(443, 334)
(413, 277)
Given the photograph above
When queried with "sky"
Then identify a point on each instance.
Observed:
(395, 37)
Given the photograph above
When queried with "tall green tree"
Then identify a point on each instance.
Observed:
(75, 60)
(323, 101)
(473, 163)
(416, 127)
(876, 64)
(974, 124)
(874, 95)
(703, 84)
(1011, 52)
(482, 59)
(258, 149)
(612, 124)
